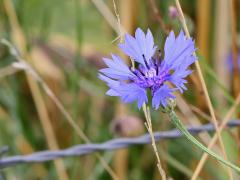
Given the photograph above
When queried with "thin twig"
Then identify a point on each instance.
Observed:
(118, 21)
(199, 71)
(110, 145)
(185, 108)
(121, 30)
(214, 139)
(22, 64)
(148, 125)
(121, 156)
(178, 124)
(108, 15)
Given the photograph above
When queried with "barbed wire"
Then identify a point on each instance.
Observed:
(113, 144)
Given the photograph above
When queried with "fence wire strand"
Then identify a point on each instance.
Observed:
(113, 144)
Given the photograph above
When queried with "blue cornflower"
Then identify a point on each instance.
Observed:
(152, 72)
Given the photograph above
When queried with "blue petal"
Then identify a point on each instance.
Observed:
(177, 78)
(117, 69)
(178, 51)
(112, 92)
(110, 82)
(127, 92)
(161, 95)
(140, 45)
(132, 92)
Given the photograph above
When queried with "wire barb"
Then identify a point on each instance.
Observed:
(113, 144)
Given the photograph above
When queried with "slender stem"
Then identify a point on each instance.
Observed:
(148, 125)
(204, 86)
(175, 120)
(118, 21)
(108, 15)
(214, 139)
(121, 29)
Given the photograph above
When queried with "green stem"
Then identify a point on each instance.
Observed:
(174, 119)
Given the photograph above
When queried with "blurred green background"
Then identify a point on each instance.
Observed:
(64, 41)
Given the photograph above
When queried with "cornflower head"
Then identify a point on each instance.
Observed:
(153, 72)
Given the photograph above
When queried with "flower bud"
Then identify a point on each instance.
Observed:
(172, 12)
(170, 106)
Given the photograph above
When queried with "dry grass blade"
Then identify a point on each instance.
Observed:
(24, 66)
(214, 139)
(20, 41)
(199, 71)
(19, 38)
(120, 28)
(107, 14)
(192, 119)
(9, 70)
(121, 156)
(148, 125)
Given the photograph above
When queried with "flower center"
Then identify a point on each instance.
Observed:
(151, 73)
(150, 77)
